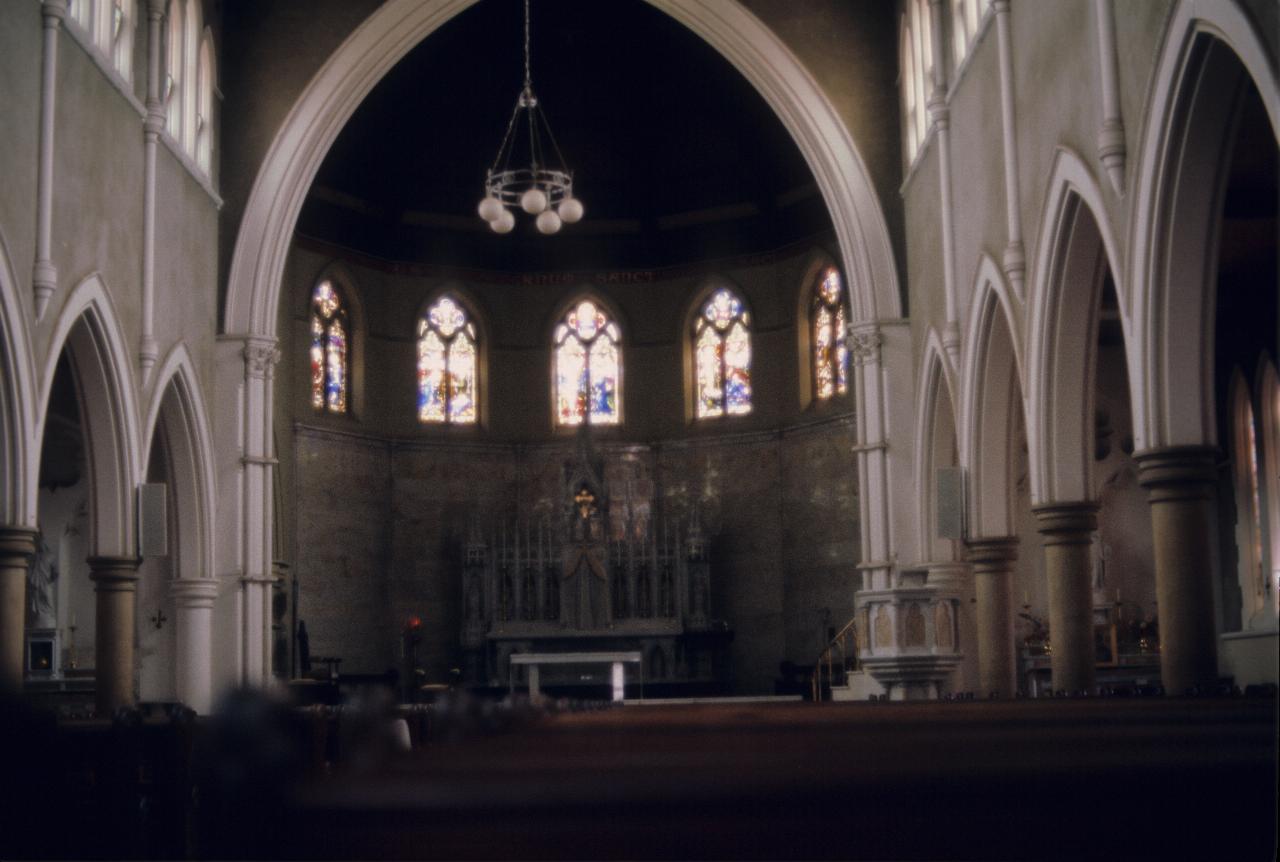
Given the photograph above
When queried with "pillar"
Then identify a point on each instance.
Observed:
(1067, 529)
(115, 581)
(1181, 483)
(992, 561)
(193, 600)
(17, 547)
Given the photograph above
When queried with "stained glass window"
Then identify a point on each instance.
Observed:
(588, 367)
(830, 337)
(722, 349)
(446, 364)
(330, 342)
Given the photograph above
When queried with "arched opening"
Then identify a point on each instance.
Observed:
(1000, 521)
(88, 470)
(1204, 281)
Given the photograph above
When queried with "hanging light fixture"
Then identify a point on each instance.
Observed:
(540, 189)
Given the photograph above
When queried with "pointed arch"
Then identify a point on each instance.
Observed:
(718, 352)
(587, 363)
(1207, 52)
(465, 341)
(936, 418)
(1076, 250)
(19, 459)
(89, 331)
(991, 390)
(395, 27)
(178, 404)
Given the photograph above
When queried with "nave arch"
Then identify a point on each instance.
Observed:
(1209, 50)
(177, 664)
(88, 330)
(1077, 251)
(396, 27)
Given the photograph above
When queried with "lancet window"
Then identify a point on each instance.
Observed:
(447, 375)
(722, 347)
(330, 348)
(588, 367)
(829, 336)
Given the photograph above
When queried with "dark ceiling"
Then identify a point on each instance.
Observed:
(657, 127)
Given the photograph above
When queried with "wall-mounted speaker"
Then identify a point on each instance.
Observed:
(950, 502)
(153, 520)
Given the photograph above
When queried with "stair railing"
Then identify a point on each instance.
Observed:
(837, 659)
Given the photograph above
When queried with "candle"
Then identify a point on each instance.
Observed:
(1117, 595)
(73, 619)
(1026, 598)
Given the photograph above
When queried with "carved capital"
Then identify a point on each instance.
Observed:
(864, 344)
(260, 357)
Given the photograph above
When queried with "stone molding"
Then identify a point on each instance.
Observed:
(194, 592)
(114, 574)
(1067, 523)
(17, 545)
(992, 555)
(1178, 472)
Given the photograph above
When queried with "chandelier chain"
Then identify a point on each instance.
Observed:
(528, 75)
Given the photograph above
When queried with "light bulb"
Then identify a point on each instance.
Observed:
(548, 222)
(570, 210)
(504, 222)
(533, 201)
(490, 208)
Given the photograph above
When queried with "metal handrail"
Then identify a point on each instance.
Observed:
(846, 642)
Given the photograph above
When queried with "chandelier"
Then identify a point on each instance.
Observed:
(541, 189)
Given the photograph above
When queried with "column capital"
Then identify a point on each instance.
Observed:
(155, 9)
(993, 553)
(1000, 7)
(54, 11)
(17, 544)
(864, 343)
(194, 592)
(114, 574)
(1178, 472)
(260, 356)
(1067, 523)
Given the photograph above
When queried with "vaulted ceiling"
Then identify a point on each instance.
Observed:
(675, 155)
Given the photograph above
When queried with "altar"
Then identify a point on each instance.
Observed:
(588, 580)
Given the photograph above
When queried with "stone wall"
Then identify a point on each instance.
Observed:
(384, 522)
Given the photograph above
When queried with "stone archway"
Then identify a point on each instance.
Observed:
(88, 333)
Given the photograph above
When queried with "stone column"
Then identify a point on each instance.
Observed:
(992, 561)
(193, 669)
(1068, 539)
(115, 581)
(17, 547)
(1180, 483)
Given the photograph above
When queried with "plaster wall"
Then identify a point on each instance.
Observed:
(20, 55)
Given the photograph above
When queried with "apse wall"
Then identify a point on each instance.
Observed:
(375, 507)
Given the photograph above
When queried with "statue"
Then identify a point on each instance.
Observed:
(585, 601)
(40, 580)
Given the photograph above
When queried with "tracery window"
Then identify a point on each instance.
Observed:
(330, 347)
(204, 106)
(966, 15)
(829, 336)
(173, 81)
(915, 71)
(109, 25)
(588, 367)
(722, 348)
(446, 364)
